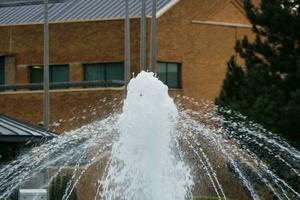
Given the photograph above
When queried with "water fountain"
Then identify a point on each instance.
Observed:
(157, 147)
(144, 164)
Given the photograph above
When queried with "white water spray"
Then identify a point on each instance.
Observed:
(143, 162)
(220, 146)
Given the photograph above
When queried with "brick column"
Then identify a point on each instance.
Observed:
(76, 72)
(10, 70)
(22, 75)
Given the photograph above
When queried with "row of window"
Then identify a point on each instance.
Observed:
(92, 72)
(58, 73)
(104, 72)
(169, 73)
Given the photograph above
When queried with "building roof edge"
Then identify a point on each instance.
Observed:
(166, 8)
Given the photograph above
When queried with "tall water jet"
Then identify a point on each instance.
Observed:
(145, 162)
(229, 156)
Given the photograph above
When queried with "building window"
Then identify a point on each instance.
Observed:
(58, 73)
(36, 74)
(94, 72)
(2, 70)
(104, 72)
(169, 73)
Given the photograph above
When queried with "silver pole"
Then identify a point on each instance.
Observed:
(153, 38)
(127, 46)
(143, 37)
(46, 68)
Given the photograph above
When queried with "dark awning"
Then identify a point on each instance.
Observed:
(13, 130)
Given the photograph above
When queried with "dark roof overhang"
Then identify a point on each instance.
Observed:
(16, 131)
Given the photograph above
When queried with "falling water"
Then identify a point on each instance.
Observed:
(144, 164)
(159, 148)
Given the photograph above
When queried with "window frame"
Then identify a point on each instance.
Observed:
(50, 71)
(58, 65)
(179, 70)
(105, 65)
(30, 72)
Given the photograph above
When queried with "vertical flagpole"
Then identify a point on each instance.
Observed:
(153, 37)
(143, 37)
(46, 105)
(127, 46)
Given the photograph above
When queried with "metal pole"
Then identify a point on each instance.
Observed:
(46, 68)
(127, 47)
(153, 37)
(143, 37)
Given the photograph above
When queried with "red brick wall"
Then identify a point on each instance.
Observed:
(70, 108)
(70, 43)
(202, 49)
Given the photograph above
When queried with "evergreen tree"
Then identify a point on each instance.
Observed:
(267, 87)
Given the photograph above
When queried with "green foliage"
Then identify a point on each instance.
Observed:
(267, 88)
(59, 186)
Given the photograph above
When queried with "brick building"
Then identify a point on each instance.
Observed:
(195, 39)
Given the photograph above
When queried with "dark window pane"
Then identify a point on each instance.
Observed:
(59, 73)
(162, 72)
(2, 71)
(36, 74)
(173, 81)
(94, 72)
(115, 71)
